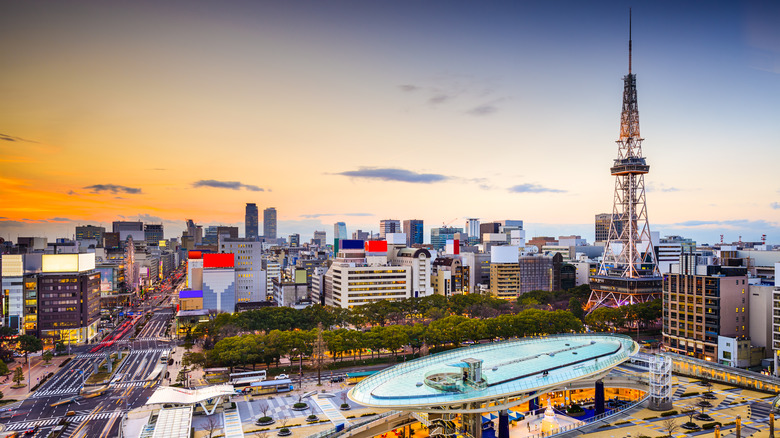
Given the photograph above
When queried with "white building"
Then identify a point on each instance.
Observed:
(251, 279)
(351, 282)
(418, 260)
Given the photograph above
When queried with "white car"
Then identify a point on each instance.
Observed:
(281, 377)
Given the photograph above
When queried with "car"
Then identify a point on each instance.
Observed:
(336, 379)
(281, 377)
(70, 413)
(32, 430)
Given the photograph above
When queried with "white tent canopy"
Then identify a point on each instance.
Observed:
(181, 396)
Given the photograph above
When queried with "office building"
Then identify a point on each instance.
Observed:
(251, 283)
(153, 234)
(389, 226)
(440, 236)
(360, 235)
(68, 298)
(219, 282)
(413, 228)
(449, 276)
(602, 226)
(269, 223)
(320, 238)
(699, 308)
(339, 233)
(250, 221)
(418, 260)
(295, 240)
(472, 229)
(89, 232)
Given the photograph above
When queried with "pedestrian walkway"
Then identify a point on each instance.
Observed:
(330, 411)
(231, 424)
(129, 384)
(22, 425)
(50, 392)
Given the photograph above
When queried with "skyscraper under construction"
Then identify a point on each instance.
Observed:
(628, 273)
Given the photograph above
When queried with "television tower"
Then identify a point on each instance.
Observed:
(628, 273)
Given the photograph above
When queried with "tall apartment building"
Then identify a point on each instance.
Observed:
(250, 221)
(13, 290)
(153, 234)
(269, 223)
(699, 308)
(413, 228)
(387, 226)
(251, 284)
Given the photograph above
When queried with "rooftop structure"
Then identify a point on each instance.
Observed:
(493, 373)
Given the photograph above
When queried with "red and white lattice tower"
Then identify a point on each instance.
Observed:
(628, 273)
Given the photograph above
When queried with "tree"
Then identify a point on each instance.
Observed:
(4, 371)
(211, 426)
(18, 376)
(319, 353)
(575, 307)
(669, 425)
(47, 356)
(193, 359)
(29, 344)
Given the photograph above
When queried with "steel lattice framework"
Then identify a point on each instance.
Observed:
(628, 273)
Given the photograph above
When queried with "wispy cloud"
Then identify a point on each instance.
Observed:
(729, 224)
(775, 205)
(533, 188)
(394, 174)
(408, 88)
(482, 110)
(651, 187)
(113, 188)
(232, 185)
(438, 99)
(59, 219)
(316, 215)
(7, 137)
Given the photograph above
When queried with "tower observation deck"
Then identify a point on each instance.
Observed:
(628, 273)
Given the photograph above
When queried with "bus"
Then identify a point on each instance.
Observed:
(260, 375)
(164, 357)
(270, 387)
(216, 375)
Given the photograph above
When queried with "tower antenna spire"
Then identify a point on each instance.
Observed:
(629, 40)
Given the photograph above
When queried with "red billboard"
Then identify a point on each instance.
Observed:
(376, 246)
(194, 255)
(224, 260)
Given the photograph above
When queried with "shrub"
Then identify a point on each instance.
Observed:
(264, 419)
(688, 394)
(300, 405)
(620, 423)
(344, 405)
(707, 426)
(668, 413)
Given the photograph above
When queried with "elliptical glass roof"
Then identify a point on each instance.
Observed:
(508, 368)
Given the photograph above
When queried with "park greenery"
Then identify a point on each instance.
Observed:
(266, 335)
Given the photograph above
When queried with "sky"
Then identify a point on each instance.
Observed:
(359, 111)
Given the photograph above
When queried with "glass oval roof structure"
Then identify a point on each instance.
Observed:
(491, 371)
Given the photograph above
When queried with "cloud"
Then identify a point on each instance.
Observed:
(775, 205)
(651, 187)
(113, 188)
(439, 98)
(729, 224)
(12, 138)
(232, 185)
(59, 219)
(533, 188)
(394, 174)
(482, 110)
(316, 215)
(408, 88)
(71, 192)
(147, 218)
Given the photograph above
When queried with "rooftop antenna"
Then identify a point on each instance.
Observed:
(629, 40)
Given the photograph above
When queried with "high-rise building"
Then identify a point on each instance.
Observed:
(320, 238)
(269, 223)
(119, 226)
(472, 228)
(440, 236)
(339, 233)
(251, 284)
(602, 226)
(250, 221)
(413, 228)
(195, 231)
(87, 232)
(219, 282)
(628, 272)
(387, 226)
(698, 309)
(153, 234)
(295, 240)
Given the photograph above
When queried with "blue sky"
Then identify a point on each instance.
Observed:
(430, 110)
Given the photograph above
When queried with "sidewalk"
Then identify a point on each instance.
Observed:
(38, 368)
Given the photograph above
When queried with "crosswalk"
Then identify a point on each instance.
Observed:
(49, 421)
(129, 384)
(51, 392)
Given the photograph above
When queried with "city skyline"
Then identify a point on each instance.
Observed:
(433, 111)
